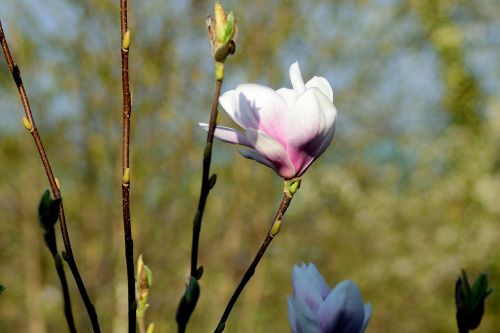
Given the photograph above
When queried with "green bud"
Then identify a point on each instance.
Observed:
(187, 303)
(212, 180)
(291, 186)
(470, 301)
(48, 212)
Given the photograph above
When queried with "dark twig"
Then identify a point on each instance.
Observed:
(273, 231)
(188, 301)
(64, 284)
(127, 110)
(31, 126)
(207, 182)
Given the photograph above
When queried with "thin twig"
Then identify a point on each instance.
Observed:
(68, 254)
(68, 313)
(205, 182)
(285, 202)
(127, 110)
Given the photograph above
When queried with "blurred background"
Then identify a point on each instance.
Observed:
(407, 194)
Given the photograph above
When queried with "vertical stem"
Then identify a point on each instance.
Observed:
(273, 231)
(205, 181)
(127, 110)
(68, 254)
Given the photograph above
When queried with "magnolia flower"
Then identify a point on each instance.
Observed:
(314, 308)
(287, 129)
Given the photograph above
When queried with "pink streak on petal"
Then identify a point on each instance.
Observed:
(272, 150)
(296, 79)
(322, 84)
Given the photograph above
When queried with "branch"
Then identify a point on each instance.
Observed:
(127, 110)
(273, 231)
(207, 182)
(30, 125)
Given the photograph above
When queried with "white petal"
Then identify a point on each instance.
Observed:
(288, 95)
(322, 84)
(296, 78)
(254, 155)
(304, 120)
(260, 108)
(228, 134)
(326, 140)
(310, 128)
(230, 102)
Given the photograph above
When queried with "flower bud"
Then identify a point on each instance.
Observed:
(314, 307)
(27, 124)
(221, 32)
(126, 40)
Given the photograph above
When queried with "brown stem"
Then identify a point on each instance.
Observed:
(205, 182)
(68, 255)
(285, 202)
(127, 111)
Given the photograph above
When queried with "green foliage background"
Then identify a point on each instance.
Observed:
(406, 196)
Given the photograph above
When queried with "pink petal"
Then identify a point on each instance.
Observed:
(229, 135)
(296, 79)
(273, 151)
(322, 84)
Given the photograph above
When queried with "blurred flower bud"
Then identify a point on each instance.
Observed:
(315, 308)
(470, 301)
(144, 282)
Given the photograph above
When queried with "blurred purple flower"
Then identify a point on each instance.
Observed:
(314, 308)
(287, 129)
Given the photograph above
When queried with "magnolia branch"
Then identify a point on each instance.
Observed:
(30, 125)
(273, 231)
(127, 111)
